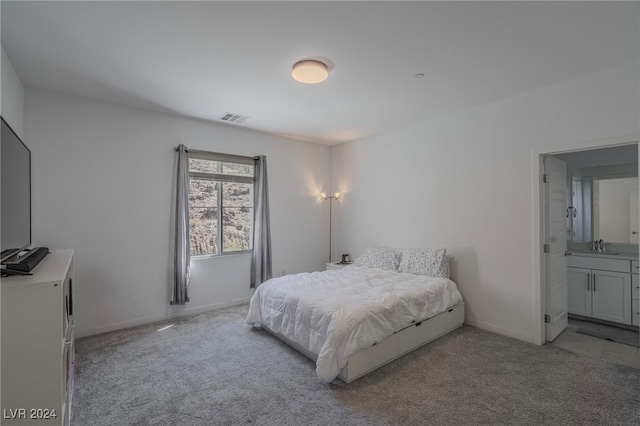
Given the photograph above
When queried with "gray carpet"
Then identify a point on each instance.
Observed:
(213, 369)
(615, 334)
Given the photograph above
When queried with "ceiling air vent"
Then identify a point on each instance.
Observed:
(234, 118)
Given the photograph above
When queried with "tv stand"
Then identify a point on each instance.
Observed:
(38, 344)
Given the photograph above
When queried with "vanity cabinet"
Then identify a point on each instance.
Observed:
(579, 288)
(600, 288)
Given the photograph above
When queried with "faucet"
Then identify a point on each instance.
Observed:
(598, 246)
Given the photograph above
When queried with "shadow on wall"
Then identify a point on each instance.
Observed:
(463, 263)
(490, 304)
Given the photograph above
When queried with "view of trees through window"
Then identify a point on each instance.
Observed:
(220, 206)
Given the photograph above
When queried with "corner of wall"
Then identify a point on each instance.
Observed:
(11, 96)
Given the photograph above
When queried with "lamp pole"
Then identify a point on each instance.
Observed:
(330, 228)
(330, 198)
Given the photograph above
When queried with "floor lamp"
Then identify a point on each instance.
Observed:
(335, 196)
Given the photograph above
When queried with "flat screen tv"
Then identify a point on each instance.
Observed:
(15, 200)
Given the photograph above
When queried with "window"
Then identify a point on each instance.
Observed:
(220, 203)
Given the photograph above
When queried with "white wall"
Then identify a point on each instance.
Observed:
(102, 174)
(464, 181)
(101, 185)
(12, 96)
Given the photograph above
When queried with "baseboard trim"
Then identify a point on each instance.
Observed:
(155, 318)
(503, 331)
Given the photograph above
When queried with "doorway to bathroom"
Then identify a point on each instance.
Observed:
(589, 209)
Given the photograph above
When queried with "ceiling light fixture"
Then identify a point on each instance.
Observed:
(310, 71)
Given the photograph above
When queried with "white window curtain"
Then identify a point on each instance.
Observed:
(261, 255)
(179, 243)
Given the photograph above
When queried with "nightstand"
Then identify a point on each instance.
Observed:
(335, 265)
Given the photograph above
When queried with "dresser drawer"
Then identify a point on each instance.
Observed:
(604, 264)
(362, 361)
(635, 287)
(635, 312)
(635, 267)
(430, 329)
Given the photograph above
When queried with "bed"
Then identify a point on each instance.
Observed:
(358, 318)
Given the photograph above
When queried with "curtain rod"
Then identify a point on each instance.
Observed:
(255, 157)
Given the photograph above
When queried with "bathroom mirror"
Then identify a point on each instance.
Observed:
(603, 204)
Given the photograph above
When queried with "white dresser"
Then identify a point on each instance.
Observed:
(37, 343)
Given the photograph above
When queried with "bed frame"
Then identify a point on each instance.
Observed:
(394, 346)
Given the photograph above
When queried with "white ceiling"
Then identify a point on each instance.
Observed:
(204, 59)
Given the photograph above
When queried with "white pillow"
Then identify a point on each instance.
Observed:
(379, 257)
(425, 261)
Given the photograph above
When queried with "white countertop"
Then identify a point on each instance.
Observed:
(620, 255)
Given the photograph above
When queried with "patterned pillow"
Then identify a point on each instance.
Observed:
(425, 261)
(379, 257)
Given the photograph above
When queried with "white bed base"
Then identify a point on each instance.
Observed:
(394, 346)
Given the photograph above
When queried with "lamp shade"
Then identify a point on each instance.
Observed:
(310, 72)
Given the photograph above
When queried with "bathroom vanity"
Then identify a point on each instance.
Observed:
(604, 286)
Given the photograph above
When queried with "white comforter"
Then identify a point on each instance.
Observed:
(335, 313)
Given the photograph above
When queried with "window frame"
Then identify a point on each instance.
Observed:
(218, 179)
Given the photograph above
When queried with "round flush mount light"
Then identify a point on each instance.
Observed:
(310, 71)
